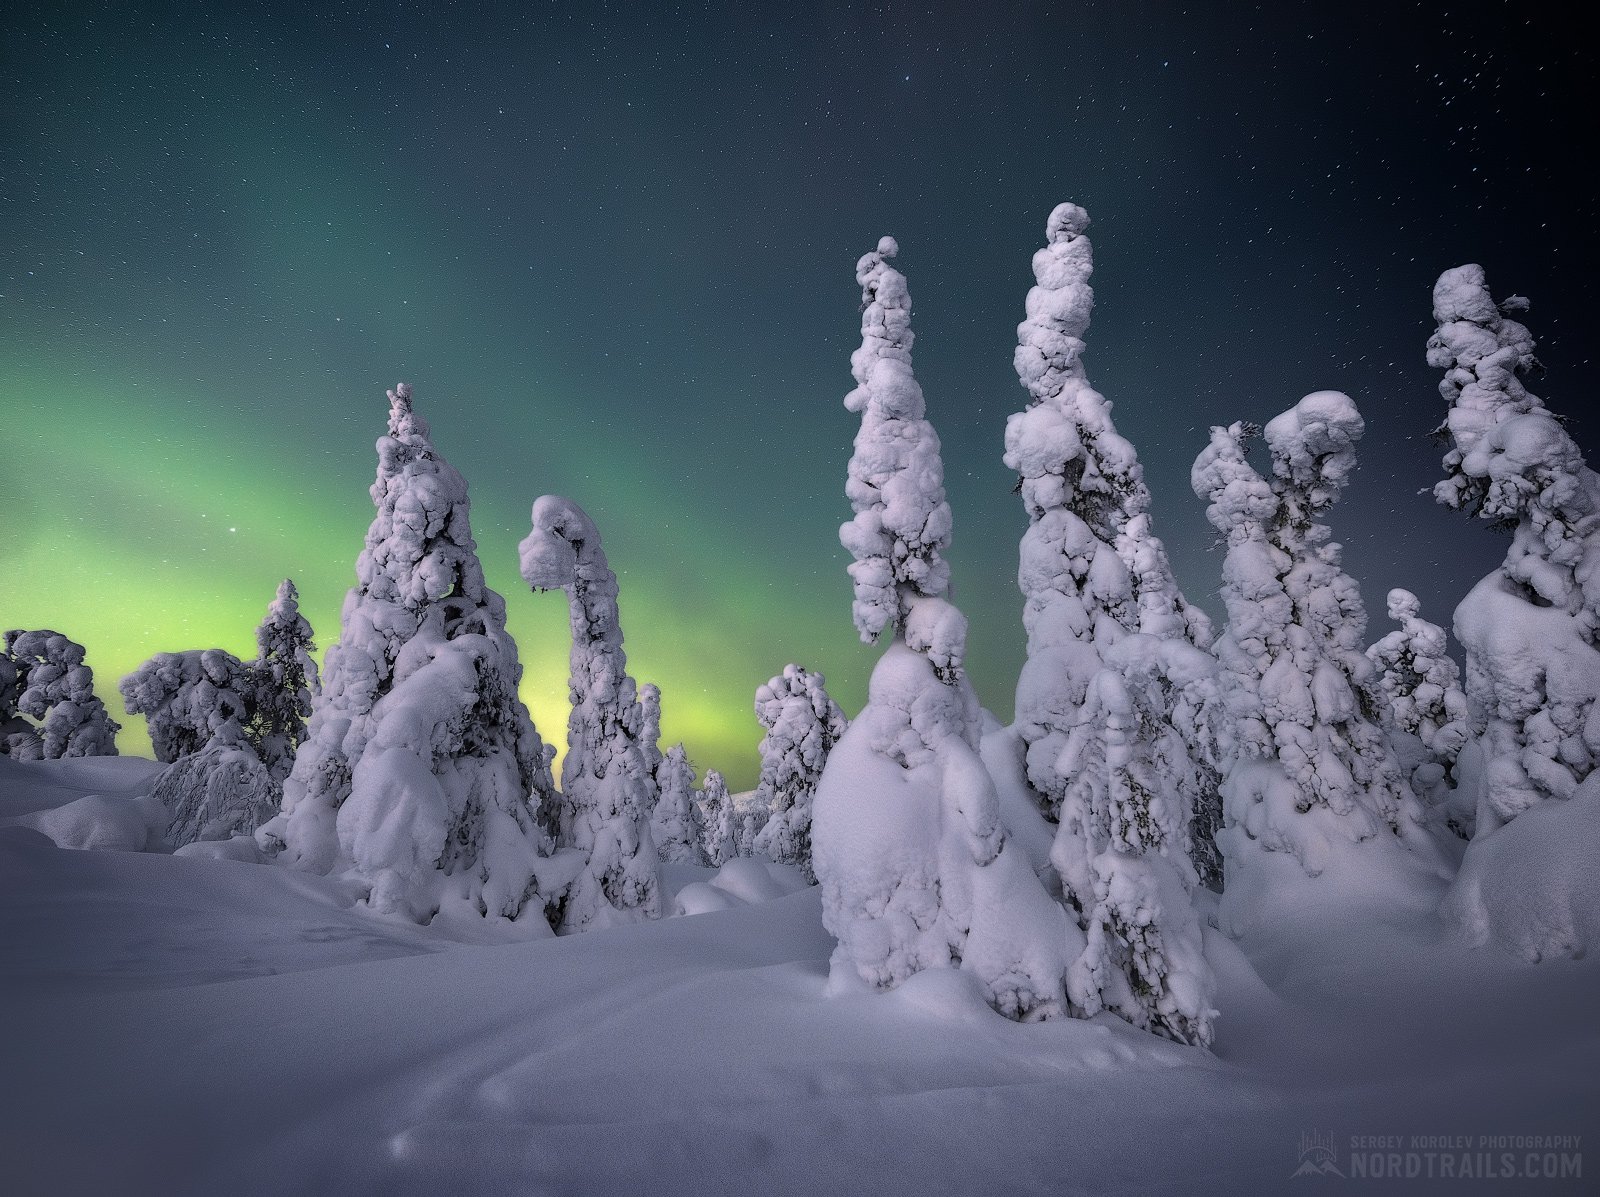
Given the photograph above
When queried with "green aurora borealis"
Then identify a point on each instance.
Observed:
(611, 248)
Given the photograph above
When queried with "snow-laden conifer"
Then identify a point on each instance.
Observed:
(675, 825)
(1121, 850)
(718, 820)
(283, 680)
(917, 870)
(1091, 569)
(1531, 629)
(421, 773)
(650, 730)
(607, 787)
(1424, 707)
(54, 686)
(802, 725)
(187, 697)
(1311, 770)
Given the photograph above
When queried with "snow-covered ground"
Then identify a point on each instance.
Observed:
(179, 1024)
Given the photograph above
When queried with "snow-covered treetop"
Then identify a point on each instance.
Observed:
(187, 698)
(419, 548)
(1313, 453)
(902, 524)
(1080, 480)
(1510, 460)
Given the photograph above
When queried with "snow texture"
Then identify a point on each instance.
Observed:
(608, 788)
(802, 725)
(675, 826)
(1091, 569)
(1531, 630)
(45, 679)
(421, 775)
(1310, 770)
(1424, 707)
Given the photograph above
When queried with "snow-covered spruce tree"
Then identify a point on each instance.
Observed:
(1531, 629)
(1091, 569)
(675, 826)
(916, 868)
(283, 680)
(55, 687)
(606, 783)
(1120, 852)
(186, 698)
(1424, 707)
(1312, 772)
(802, 725)
(719, 834)
(421, 773)
(650, 729)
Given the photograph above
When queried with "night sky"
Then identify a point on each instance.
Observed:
(612, 248)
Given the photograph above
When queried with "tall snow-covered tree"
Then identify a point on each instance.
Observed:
(1531, 629)
(421, 773)
(917, 870)
(675, 825)
(55, 687)
(802, 725)
(1424, 707)
(283, 681)
(719, 835)
(1091, 570)
(606, 781)
(1311, 769)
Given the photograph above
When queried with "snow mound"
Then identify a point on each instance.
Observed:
(99, 823)
(743, 881)
(1532, 885)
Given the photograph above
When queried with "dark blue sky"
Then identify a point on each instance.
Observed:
(612, 249)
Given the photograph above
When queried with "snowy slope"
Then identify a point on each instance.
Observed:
(184, 1025)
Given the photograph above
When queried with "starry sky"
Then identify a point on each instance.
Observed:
(612, 245)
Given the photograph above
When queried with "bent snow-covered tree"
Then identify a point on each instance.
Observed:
(802, 725)
(606, 783)
(1531, 629)
(421, 773)
(1091, 570)
(1424, 707)
(1311, 772)
(917, 870)
(53, 686)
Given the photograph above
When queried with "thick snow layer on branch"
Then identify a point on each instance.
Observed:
(421, 773)
(609, 791)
